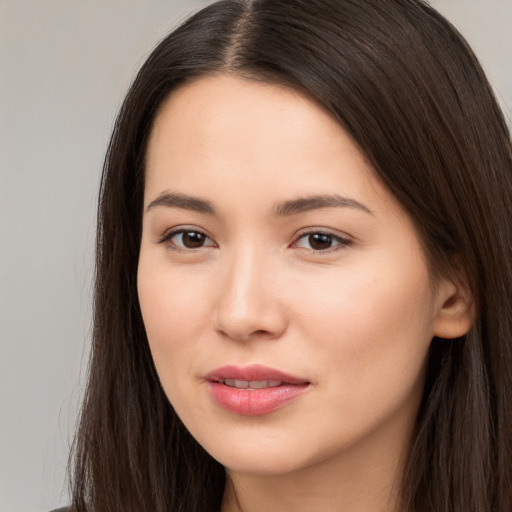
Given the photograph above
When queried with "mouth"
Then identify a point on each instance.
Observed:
(250, 384)
(254, 390)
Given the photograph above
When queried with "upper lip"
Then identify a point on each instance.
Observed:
(253, 372)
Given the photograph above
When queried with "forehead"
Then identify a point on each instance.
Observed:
(240, 110)
(232, 96)
(221, 127)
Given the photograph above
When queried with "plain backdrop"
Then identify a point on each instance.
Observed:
(64, 68)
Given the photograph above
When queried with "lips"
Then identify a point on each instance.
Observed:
(253, 390)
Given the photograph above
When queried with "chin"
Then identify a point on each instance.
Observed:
(260, 462)
(264, 451)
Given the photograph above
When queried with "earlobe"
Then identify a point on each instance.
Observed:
(456, 311)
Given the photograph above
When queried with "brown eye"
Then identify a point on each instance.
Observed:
(193, 239)
(187, 239)
(321, 242)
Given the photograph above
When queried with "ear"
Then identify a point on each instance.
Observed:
(456, 310)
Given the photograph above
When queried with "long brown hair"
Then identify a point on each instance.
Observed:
(406, 86)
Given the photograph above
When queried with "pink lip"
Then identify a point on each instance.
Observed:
(253, 372)
(254, 402)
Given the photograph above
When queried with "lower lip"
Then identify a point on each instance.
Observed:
(254, 402)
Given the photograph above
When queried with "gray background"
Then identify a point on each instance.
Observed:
(64, 68)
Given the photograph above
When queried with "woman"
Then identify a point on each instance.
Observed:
(303, 286)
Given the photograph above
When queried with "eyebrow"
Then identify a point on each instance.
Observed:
(182, 201)
(283, 209)
(304, 204)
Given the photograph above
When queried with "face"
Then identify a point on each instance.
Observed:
(284, 292)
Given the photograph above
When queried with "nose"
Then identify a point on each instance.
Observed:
(249, 301)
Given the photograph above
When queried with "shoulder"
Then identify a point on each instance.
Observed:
(63, 509)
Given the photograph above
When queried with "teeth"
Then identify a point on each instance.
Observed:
(241, 384)
(259, 384)
(250, 384)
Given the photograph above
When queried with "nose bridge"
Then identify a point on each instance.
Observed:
(247, 301)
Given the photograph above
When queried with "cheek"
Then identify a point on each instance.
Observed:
(378, 297)
(371, 333)
(173, 308)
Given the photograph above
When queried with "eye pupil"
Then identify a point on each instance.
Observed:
(193, 239)
(320, 241)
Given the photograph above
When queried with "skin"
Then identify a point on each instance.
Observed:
(355, 318)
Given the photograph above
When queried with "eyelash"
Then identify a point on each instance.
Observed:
(340, 241)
